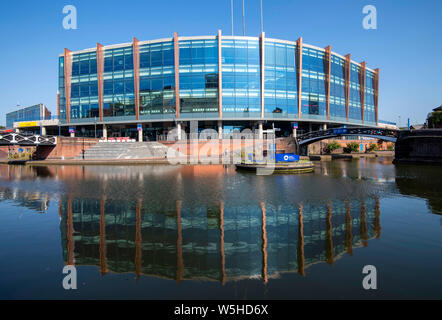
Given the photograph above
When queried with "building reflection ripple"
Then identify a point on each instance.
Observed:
(218, 241)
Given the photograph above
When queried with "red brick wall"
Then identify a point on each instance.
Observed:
(66, 148)
(221, 147)
(315, 148)
(4, 150)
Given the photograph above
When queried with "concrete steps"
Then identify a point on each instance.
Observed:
(125, 150)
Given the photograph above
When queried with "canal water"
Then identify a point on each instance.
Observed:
(210, 232)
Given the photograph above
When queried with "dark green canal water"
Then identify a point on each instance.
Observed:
(209, 232)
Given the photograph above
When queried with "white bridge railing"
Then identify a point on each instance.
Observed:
(21, 139)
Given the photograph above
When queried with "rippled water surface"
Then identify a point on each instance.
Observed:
(210, 232)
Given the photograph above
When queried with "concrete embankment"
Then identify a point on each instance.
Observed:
(349, 156)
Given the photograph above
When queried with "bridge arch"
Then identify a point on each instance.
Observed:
(377, 133)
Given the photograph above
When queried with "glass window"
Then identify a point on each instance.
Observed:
(118, 87)
(84, 90)
(129, 86)
(198, 76)
(157, 80)
(118, 62)
(108, 62)
(145, 59)
(108, 87)
(75, 68)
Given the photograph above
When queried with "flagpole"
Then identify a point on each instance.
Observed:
(262, 25)
(243, 21)
(231, 13)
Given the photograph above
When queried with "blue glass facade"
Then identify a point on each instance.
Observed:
(244, 64)
(241, 74)
(369, 108)
(280, 84)
(355, 112)
(313, 100)
(157, 80)
(84, 86)
(118, 84)
(198, 77)
(337, 88)
(31, 113)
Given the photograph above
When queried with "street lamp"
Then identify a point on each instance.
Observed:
(83, 131)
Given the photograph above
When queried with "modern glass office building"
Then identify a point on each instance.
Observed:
(224, 82)
(32, 113)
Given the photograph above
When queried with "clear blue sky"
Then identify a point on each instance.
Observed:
(407, 46)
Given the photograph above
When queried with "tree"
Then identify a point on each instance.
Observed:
(372, 147)
(351, 147)
(332, 146)
(434, 119)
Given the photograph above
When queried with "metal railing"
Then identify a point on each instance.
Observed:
(313, 136)
(27, 139)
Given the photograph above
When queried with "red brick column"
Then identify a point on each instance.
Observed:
(376, 95)
(176, 49)
(347, 68)
(299, 70)
(362, 88)
(327, 78)
(67, 81)
(136, 58)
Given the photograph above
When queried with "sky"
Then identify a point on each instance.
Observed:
(406, 46)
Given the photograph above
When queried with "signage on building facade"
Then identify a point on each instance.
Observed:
(27, 124)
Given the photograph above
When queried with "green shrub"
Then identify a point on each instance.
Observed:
(372, 147)
(351, 147)
(332, 146)
(390, 147)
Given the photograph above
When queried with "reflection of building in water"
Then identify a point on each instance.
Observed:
(215, 242)
(38, 201)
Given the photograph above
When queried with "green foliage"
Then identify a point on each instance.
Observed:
(21, 156)
(390, 147)
(332, 146)
(435, 119)
(372, 147)
(351, 147)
